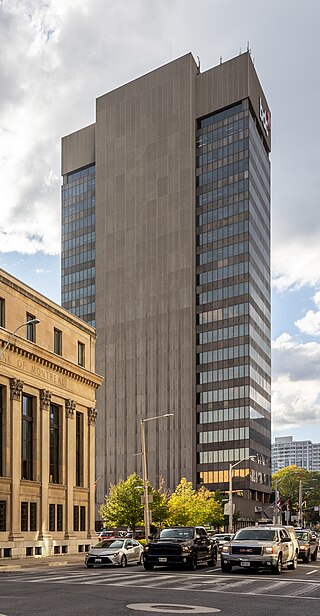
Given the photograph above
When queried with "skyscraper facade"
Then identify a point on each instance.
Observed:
(180, 287)
(287, 452)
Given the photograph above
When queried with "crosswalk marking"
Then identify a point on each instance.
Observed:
(264, 589)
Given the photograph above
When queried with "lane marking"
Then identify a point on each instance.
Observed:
(314, 571)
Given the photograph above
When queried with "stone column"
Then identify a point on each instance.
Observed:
(16, 388)
(92, 414)
(45, 399)
(70, 458)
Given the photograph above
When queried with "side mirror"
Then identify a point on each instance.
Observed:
(150, 537)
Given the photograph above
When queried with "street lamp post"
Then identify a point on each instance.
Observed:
(32, 321)
(301, 482)
(230, 507)
(144, 470)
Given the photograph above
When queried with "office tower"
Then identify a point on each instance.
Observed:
(182, 274)
(287, 452)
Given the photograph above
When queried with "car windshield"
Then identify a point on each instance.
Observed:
(248, 534)
(176, 533)
(302, 536)
(108, 543)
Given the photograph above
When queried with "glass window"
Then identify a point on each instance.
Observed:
(55, 414)
(82, 518)
(31, 328)
(57, 342)
(33, 516)
(27, 437)
(24, 517)
(2, 312)
(2, 392)
(75, 517)
(52, 517)
(59, 517)
(79, 449)
(3, 512)
(81, 354)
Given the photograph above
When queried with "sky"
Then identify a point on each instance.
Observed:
(58, 56)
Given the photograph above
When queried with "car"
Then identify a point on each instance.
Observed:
(269, 547)
(106, 534)
(180, 545)
(119, 551)
(221, 539)
(308, 544)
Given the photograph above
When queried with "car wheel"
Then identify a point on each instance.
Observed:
(148, 566)
(277, 569)
(314, 555)
(226, 567)
(123, 561)
(306, 558)
(192, 564)
(294, 563)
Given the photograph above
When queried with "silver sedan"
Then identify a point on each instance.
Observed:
(119, 552)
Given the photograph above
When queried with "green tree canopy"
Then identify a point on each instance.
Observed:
(187, 506)
(122, 505)
(287, 482)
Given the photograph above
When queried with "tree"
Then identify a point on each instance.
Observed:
(123, 505)
(287, 480)
(188, 507)
(159, 507)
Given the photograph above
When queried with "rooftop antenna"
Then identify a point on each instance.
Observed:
(198, 65)
(220, 59)
(240, 51)
(248, 47)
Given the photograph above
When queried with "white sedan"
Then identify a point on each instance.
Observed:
(119, 552)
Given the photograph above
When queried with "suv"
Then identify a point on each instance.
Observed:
(185, 545)
(308, 544)
(268, 547)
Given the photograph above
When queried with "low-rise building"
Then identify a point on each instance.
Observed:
(47, 425)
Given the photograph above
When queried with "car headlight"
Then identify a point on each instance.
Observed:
(115, 554)
(186, 548)
(304, 547)
(225, 549)
(146, 548)
(269, 550)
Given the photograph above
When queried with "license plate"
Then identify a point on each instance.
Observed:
(98, 560)
(162, 560)
(245, 564)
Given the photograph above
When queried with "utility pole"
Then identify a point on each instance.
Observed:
(300, 505)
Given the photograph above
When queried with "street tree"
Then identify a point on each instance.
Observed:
(293, 482)
(190, 507)
(123, 505)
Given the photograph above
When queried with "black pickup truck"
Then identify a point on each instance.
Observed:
(180, 545)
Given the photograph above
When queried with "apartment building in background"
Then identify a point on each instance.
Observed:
(287, 452)
(166, 250)
(48, 412)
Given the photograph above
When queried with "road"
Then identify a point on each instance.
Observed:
(77, 591)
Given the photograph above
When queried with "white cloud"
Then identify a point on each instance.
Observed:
(310, 323)
(295, 385)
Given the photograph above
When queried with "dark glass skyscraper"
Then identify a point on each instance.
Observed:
(182, 272)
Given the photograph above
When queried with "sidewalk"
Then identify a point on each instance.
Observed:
(32, 562)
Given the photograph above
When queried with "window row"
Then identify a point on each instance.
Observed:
(232, 352)
(220, 213)
(221, 273)
(78, 224)
(224, 333)
(77, 175)
(221, 436)
(221, 149)
(85, 291)
(222, 395)
(82, 257)
(223, 476)
(218, 116)
(223, 190)
(80, 240)
(230, 414)
(71, 208)
(29, 448)
(220, 314)
(29, 517)
(224, 172)
(222, 233)
(79, 276)
(84, 310)
(225, 252)
(223, 455)
(223, 374)
(222, 293)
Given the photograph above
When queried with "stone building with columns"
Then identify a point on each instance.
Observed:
(47, 425)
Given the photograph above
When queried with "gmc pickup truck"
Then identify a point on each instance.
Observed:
(180, 545)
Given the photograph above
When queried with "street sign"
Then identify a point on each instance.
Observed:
(226, 508)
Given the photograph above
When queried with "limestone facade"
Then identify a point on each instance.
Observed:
(47, 426)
